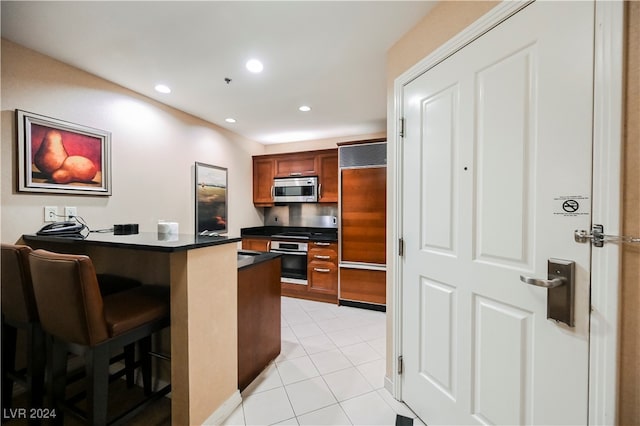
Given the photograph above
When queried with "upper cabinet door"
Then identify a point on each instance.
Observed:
(302, 164)
(263, 173)
(328, 177)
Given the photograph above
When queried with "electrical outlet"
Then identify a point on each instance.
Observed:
(50, 213)
(70, 212)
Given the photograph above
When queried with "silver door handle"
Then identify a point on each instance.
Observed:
(560, 285)
(556, 282)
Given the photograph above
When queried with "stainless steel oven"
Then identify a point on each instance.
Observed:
(294, 260)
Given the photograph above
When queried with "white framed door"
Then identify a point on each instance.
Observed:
(497, 138)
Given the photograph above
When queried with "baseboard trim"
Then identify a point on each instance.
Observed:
(362, 305)
(225, 410)
(389, 386)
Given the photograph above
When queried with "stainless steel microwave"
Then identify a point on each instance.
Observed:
(295, 190)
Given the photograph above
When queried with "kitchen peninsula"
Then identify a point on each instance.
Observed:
(202, 273)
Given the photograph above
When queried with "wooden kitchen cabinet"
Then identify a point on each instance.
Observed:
(363, 210)
(323, 278)
(363, 180)
(322, 270)
(363, 285)
(322, 274)
(256, 244)
(321, 163)
(300, 164)
(263, 174)
(259, 339)
(328, 177)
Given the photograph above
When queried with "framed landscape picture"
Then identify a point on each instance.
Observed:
(60, 157)
(211, 199)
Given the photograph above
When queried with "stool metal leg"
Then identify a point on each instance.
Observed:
(145, 360)
(129, 363)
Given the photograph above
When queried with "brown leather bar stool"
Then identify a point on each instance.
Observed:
(19, 312)
(79, 320)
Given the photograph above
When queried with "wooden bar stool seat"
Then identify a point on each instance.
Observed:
(80, 320)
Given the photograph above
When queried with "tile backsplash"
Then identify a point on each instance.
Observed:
(302, 214)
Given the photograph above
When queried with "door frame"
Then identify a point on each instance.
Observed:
(606, 195)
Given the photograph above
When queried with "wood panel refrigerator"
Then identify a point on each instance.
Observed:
(362, 236)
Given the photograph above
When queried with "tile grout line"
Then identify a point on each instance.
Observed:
(362, 320)
(352, 365)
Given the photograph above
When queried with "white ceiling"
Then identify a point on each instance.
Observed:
(330, 55)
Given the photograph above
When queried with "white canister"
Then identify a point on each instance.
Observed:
(165, 227)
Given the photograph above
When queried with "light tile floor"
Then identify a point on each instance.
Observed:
(330, 371)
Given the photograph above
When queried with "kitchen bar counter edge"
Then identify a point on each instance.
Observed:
(150, 241)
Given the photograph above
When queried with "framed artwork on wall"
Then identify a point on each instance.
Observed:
(211, 199)
(56, 156)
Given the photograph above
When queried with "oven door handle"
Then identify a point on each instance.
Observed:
(295, 253)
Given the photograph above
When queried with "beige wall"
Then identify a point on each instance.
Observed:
(154, 148)
(629, 400)
(443, 22)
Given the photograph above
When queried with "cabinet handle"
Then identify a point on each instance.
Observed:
(269, 245)
(322, 244)
(272, 194)
(320, 191)
(295, 174)
(320, 256)
(323, 270)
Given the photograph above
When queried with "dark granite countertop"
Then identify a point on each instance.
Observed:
(316, 234)
(247, 258)
(151, 241)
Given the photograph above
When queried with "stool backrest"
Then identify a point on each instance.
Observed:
(68, 297)
(18, 302)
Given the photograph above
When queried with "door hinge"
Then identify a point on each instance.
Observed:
(598, 237)
(402, 127)
(400, 365)
(401, 247)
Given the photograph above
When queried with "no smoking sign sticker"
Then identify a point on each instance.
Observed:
(571, 205)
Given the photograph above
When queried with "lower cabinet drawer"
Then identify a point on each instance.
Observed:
(257, 244)
(363, 285)
(323, 277)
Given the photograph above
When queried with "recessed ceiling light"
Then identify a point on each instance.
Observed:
(254, 65)
(230, 120)
(163, 88)
(305, 108)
